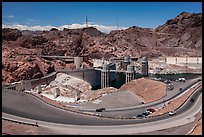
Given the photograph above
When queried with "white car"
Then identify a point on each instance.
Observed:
(172, 113)
(182, 79)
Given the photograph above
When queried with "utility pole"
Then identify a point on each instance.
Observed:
(117, 23)
(86, 22)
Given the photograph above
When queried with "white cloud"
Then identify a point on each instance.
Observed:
(10, 16)
(102, 28)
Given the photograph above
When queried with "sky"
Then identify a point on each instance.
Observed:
(105, 16)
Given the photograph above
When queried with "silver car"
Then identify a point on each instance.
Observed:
(172, 113)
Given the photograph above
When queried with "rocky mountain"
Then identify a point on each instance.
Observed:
(181, 36)
(184, 31)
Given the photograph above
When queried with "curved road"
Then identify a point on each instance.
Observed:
(170, 95)
(25, 105)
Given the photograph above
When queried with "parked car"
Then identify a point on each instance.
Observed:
(140, 115)
(182, 79)
(167, 81)
(180, 89)
(170, 86)
(171, 113)
(146, 113)
(151, 110)
(100, 109)
(199, 79)
(192, 100)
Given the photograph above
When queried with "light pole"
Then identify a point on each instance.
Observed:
(165, 95)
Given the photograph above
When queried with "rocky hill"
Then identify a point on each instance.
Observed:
(181, 36)
(185, 31)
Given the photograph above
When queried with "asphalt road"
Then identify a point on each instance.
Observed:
(135, 110)
(25, 105)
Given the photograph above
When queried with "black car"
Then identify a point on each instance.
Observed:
(192, 100)
(140, 115)
(100, 109)
(146, 113)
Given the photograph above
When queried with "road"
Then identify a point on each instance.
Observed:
(81, 124)
(135, 110)
(25, 105)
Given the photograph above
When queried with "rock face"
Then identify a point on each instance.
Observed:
(181, 36)
(18, 64)
(67, 85)
(184, 31)
(10, 34)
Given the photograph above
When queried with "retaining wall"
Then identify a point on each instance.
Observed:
(183, 60)
(93, 77)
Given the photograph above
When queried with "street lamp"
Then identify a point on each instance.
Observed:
(165, 95)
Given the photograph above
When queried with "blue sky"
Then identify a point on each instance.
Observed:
(143, 14)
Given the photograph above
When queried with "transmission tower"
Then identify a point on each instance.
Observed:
(86, 22)
(117, 23)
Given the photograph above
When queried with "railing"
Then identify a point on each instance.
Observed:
(20, 122)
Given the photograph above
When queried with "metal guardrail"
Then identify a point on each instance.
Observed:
(20, 122)
(188, 97)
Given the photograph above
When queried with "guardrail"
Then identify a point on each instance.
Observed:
(189, 96)
(20, 122)
(179, 105)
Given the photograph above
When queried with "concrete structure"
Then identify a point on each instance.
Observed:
(39, 89)
(44, 80)
(56, 92)
(199, 60)
(144, 70)
(192, 60)
(92, 76)
(100, 62)
(78, 61)
(105, 78)
(184, 60)
(126, 62)
(130, 73)
(77, 96)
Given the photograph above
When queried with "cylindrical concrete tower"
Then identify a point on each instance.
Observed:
(126, 62)
(105, 79)
(144, 66)
(130, 73)
(78, 61)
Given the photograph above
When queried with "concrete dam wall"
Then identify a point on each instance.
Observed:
(93, 77)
